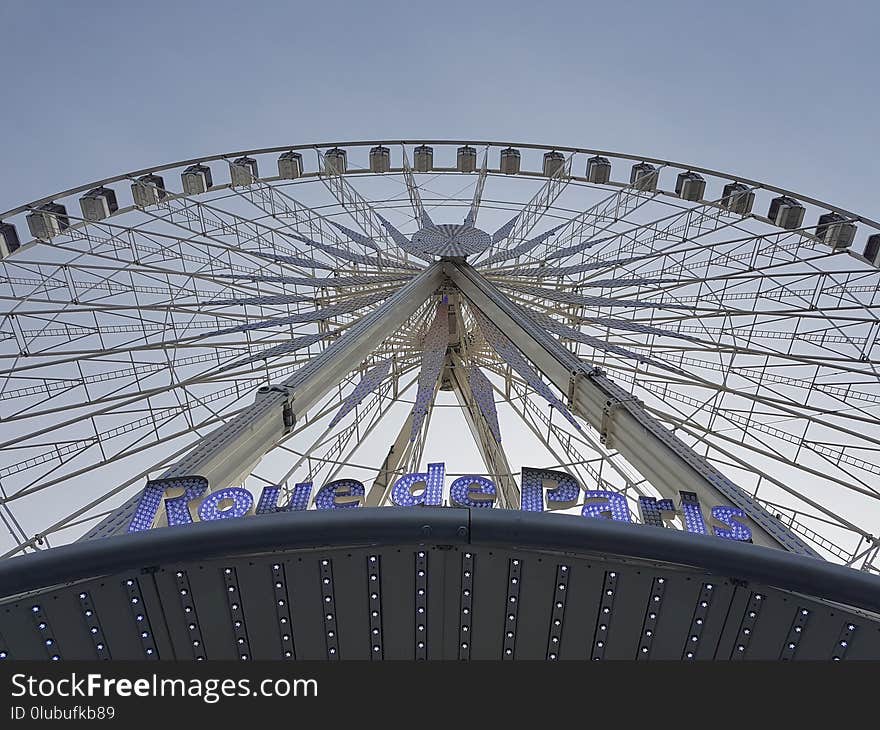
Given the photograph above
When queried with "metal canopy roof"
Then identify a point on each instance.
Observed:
(249, 583)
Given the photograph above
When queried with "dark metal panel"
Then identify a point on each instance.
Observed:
(490, 597)
(209, 598)
(773, 623)
(307, 615)
(352, 603)
(68, 624)
(715, 622)
(156, 613)
(737, 607)
(820, 635)
(258, 600)
(111, 606)
(398, 605)
(176, 620)
(582, 606)
(674, 615)
(438, 634)
(537, 588)
(22, 639)
(449, 605)
(628, 614)
(866, 640)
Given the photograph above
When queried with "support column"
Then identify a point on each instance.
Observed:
(397, 455)
(660, 456)
(491, 451)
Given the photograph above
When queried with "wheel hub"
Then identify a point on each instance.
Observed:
(451, 240)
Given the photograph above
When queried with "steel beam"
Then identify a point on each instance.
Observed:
(421, 215)
(471, 218)
(660, 456)
(397, 454)
(491, 451)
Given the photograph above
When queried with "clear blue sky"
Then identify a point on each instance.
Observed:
(780, 91)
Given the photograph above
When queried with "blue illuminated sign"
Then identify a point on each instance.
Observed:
(472, 491)
(541, 489)
(413, 490)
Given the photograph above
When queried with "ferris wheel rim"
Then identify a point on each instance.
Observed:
(317, 146)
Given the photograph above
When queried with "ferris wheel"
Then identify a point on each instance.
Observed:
(298, 315)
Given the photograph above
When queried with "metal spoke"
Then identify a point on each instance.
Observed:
(530, 216)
